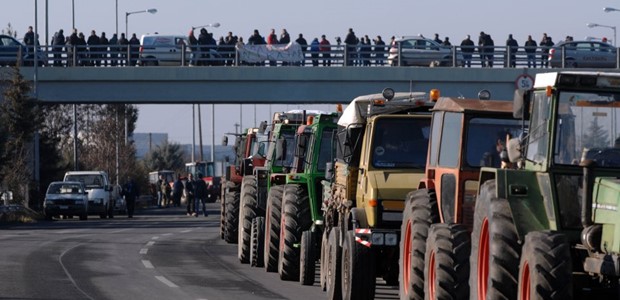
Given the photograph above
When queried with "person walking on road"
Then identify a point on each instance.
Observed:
(200, 192)
(165, 192)
(131, 193)
(189, 193)
(177, 191)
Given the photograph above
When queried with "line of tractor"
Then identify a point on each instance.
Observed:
(444, 197)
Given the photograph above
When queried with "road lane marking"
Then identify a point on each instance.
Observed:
(155, 238)
(186, 231)
(147, 264)
(167, 234)
(151, 243)
(144, 250)
(69, 274)
(167, 282)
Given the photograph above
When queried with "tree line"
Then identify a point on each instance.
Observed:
(30, 128)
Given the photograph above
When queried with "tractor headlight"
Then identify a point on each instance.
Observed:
(378, 238)
(391, 239)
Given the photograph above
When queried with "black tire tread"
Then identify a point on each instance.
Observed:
(307, 261)
(256, 244)
(548, 255)
(451, 244)
(232, 212)
(296, 214)
(247, 213)
(362, 277)
(333, 284)
(422, 210)
(272, 228)
(504, 248)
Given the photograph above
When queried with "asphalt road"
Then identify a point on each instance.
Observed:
(159, 254)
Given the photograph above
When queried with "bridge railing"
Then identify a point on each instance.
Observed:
(227, 55)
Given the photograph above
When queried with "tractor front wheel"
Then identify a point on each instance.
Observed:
(545, 271)
(420, 212)
(447, 262)
(294, 220)
(495, 253)
(358, 270)
(256, 243)
(247, 213)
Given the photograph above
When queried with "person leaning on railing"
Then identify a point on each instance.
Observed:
(58, 42)
(530, 50)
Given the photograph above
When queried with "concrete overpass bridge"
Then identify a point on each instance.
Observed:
(250, 84)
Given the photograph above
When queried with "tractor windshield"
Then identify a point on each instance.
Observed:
(587, 128)
(325, 150)
(400, 142)
(287, 161)
(486, 138)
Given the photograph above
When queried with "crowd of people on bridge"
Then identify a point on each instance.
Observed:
(98, 50)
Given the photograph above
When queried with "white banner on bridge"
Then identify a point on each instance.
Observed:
(260, 53)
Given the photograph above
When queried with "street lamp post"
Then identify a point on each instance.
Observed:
(592, 25)
(127, 14)
(214, 25)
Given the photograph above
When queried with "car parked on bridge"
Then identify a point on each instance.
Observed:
(66, 198)
(163, 50)
(583, 54)
(420, 51)
(12, 51)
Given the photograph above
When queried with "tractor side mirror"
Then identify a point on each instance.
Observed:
(520, 105)
(513, 150)
(224, 141)
(262, 127)
(280, 149)
(301, 146)
(329, 171)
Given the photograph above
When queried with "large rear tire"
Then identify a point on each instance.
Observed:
(420, 212)
(358, 270)
(495, 251)
(545, 271)
(257, 240)
(223, 213)
(307, 258)
(272, 228)
(295, 219)
(232, 212)
(333, 282)
(447, 262)
(247, 213)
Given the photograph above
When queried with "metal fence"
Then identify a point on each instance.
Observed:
(227, 55)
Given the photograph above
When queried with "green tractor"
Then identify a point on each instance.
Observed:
(256, 188)
(549, 228)
(301, 221)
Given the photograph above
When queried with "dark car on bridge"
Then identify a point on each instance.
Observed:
(12, 51)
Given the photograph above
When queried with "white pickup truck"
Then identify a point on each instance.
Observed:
(100, 191)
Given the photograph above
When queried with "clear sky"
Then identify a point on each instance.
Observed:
(454, 18)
